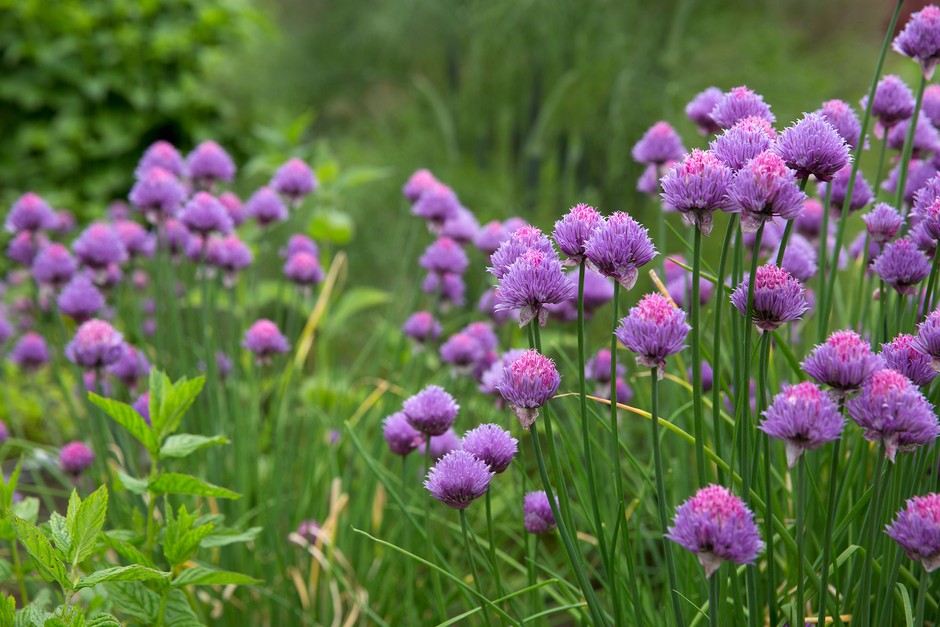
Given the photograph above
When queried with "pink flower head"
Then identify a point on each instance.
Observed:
(659, 144)
(422, 327)
(812, 147)
(619, 248)
(697, 187)
(54, 266)
(902, 354)
(883, 222)
(763, 189)
(920, 39)
(96, 344)
(400, 436)
(527, 384)
(534, 280)
(303, 269)
(417, 184)
(458, 479)
(491, 444)
(804, 417)
(654, 329)
(893, 101)
(204, 214)
(490, 236)
(843, 118)
(266, 206)
(778, 297)
(99, 246)
(75, 457)
(537, 514)
(928, 338)
(431, 411)
(208, 163)
(519, 241)
(30, 213)
(265, 340)
(437, 204)
(699, 110)
(743, 141)
(574, 230)
(740, 103)
(917, 529)
(294, 179)
(902, 265)
(844, 362)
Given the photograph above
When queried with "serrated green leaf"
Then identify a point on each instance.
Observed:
(134, 572)
(102, 620)
(201, 576)
(135, 600)
(133, 484)
(159, 386)
(182, 396)
(87, 524)
(32, 616)
(59, 528)
(178, 613)
(27, 509)
(181, 538)
(125, 549)
(224, 538)
(175, 483)
(40, 549)
(185, 444)
(8, 486)
(127, 417)
(7, 611)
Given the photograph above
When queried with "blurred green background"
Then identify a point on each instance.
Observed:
(523, 106)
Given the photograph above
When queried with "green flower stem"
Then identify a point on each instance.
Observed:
(435, 578)
(768, 482)
(931, 285)
(822, 321)
(714, 599)
(661, 498)
(921, 597)
(788, 230)
(614, 425)
(860, 293)
(908, 149)
(473, 568)
(800, 504)
(881, 164)
(827, 534)
(491, 538)
(721, 304)
(698, 410)
(862, 605)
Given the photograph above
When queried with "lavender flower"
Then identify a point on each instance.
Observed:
(95, 345)
(75, 457)
(708, 376)
(809, 222)
(209, 163)
(527, 384)
(99, 246)
(597, 368)
(64, 222)
(740, 103)
(574, 230)
(697, 187)
(443, 444)
(422, 327)
(483, 333)
(462, 228)
(175, 237)
(158, 194)
(231, 255)
(654, 330)
(299, 243)
(893, 101)
(265, 340)
(400, 436)
(463, 351)
(450, 288)
(893, 411)
(294, 180)
(417, 184)
(598, 290)
(658, 145)
(679, 283)
(131, 366)
(743, 141)
(6, 330)
(618, 248)
(311, 532)
(235, 208)
(844, 362)
(534, 280)
(431, 411)
(54, 266)
(30, 352)
(917, 529)
(803, 417)
(812, 146)
(926, 137)
(458, 479)
(843, 118)
(537, 514)
(931, 104)
(778, 297)
(436, 205)
(136, 239)
(444, 256)
(492, 445)
(861, 192)
(929, 217)
(266, 207)
(928, 338)
(648, 183)
(799, 258)
(762, 189)
(30, 213)
(699, 110)
(80, 299)
(490, 236)
(918, 174)
(883, 222)
(303, 269)
(520, 240)
(23, 248)
(204, 214)
(901, 354)
(160, 154)
(902, 265)
(920, 39)
(717, 526)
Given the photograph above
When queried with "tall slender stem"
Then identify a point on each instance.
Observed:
(661, 498)
(614, 425)
(908, 149)
(491, 538)
(435, 578)
(822, 321)
(473, 567)
(921, 597)
(720, 305)
(768, 483)
(862, 605)
(800, 503)
(714, 589)
(698, 409)
(827, 534)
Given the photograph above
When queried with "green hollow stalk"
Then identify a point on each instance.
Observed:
(698, 409)
(921, 597)
(908, 150)
(830, 520)
(768, 477)
(866, 120)
(473, 568)
(614, 425)
(800, 504)
(435, 578)
(714, 599)
(720, 305)
(491, 538)
(822, 320)
(862, 605)
(661, 498)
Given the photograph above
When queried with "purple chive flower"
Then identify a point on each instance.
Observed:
(574, 230)
(764, 188)
(843, 118)
(778, 297)
(902, 354)
(483, 333)
(697, 187)
(743, 141)
(158, 194)
(400, 436)
(519, 241)
(265, 340)
(654, 329)
(436, 205)
(925, 243)
(458, 479)
(444, 256)
(537, 513)
(443, 444)
(80, 299)
(927, 195)
(861, 192)
(618, 248)
(208, 163)
(534, 280)
(883, 222)
(462, 228)
(99, 246)
(844, 362)
(648, 183)
(30, 213)
(450, 288)
(658, 145)
(926, 137)
(54, 266)
(493, 374)
(294, 180)
(64, 222)
(902, 265)
(929, 216)
(812, 146)
(231, 255)
(235, 208)
(928, 338)
(75, 457)
(598, 290)
(417, 184)
(492, 445)
(299, 243)
(717, 526)
(917, 529)
(918, 174)
(4, 432)
(30, 352)
(708, 376)
(130, 367)
(699, 110)
(422, 327)
(266, 206)
(204, 214)
(490, 236)
(23, 248)
(679, 283)
(136, 239)
(117, 210)
(161, 154)
(799, 258)
(487, 306)
(303, 269)
(740, 103)
(804, 417)
(527, 384)
(893, 101)
(431, 411)
(597, 367)
(893, 411)
(931, 104)
(96, 344)
(920, 39)
(463, 351)
(175, 236)
(809, 222)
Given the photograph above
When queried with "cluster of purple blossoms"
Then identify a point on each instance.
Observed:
(573, 231)
(778, 298)
(157, 193)
(265, 340)
(812, 147)
(901, 354)
(920, 39)
(80, 299)
(799, 259)
(528, 382)
(597, 369)
(458, 479)
(303, 268)
(437, 205)
(98, 247)
(422, 327)
(431, 411)
(294, 180)
(446, 262)
(844, 362)
(230, 255)
(926, 139)
(804, 417)
(537, 514)
(902, 265)
(30, 214)
(400, 436)
(658, 145)
(654, 329)
(843, 118)
(618, 248)
(763, 189)
(96, 345)
(209, 164)
(740, 103)
(679, 283)
(700, 108)
(883, 222)
(697, 187)
(54, 266)
(492, 445)
(717, 527)
(266, 206)
(927, 340)
(30, 353)
(838, 191)
(533, 280)
(917, 529)
(75, 458)
(130, 367)
(742, 142)
(893, 101)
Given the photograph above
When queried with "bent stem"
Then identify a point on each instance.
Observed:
(698, 409)
(661, 497)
